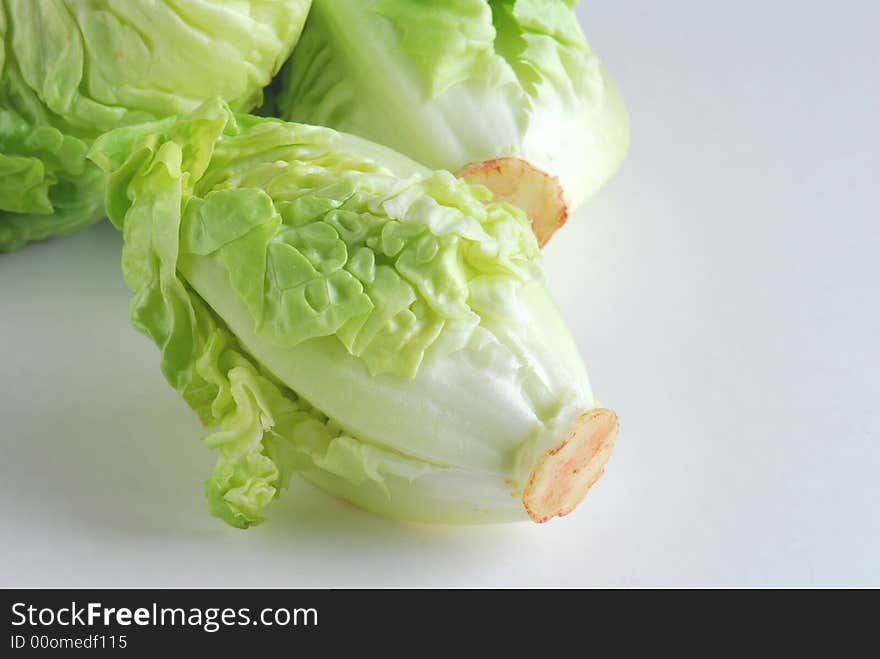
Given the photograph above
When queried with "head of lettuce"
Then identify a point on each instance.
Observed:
(332, 309)
(71, 70)
(506, 93)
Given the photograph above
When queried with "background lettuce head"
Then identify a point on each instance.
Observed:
(508, 93)
(71, 70)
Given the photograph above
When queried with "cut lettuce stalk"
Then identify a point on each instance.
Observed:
(73, 69)
(335, 310)
(517, 182)
(466, 86)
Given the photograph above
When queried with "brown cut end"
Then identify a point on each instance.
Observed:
(517, 182)
(562, 478)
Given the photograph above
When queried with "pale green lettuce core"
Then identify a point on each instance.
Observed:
(276, 263)
(460, 82)
(73, 69)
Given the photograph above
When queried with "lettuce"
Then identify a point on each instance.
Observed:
(505, 92)
(332, 309)
(73, 69)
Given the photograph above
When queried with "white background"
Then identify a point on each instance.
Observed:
(723, 291)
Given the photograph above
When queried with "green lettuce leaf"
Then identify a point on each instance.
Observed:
(73, 69)
(47, 187)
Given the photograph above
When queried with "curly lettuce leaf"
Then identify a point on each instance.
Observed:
(47, 187)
